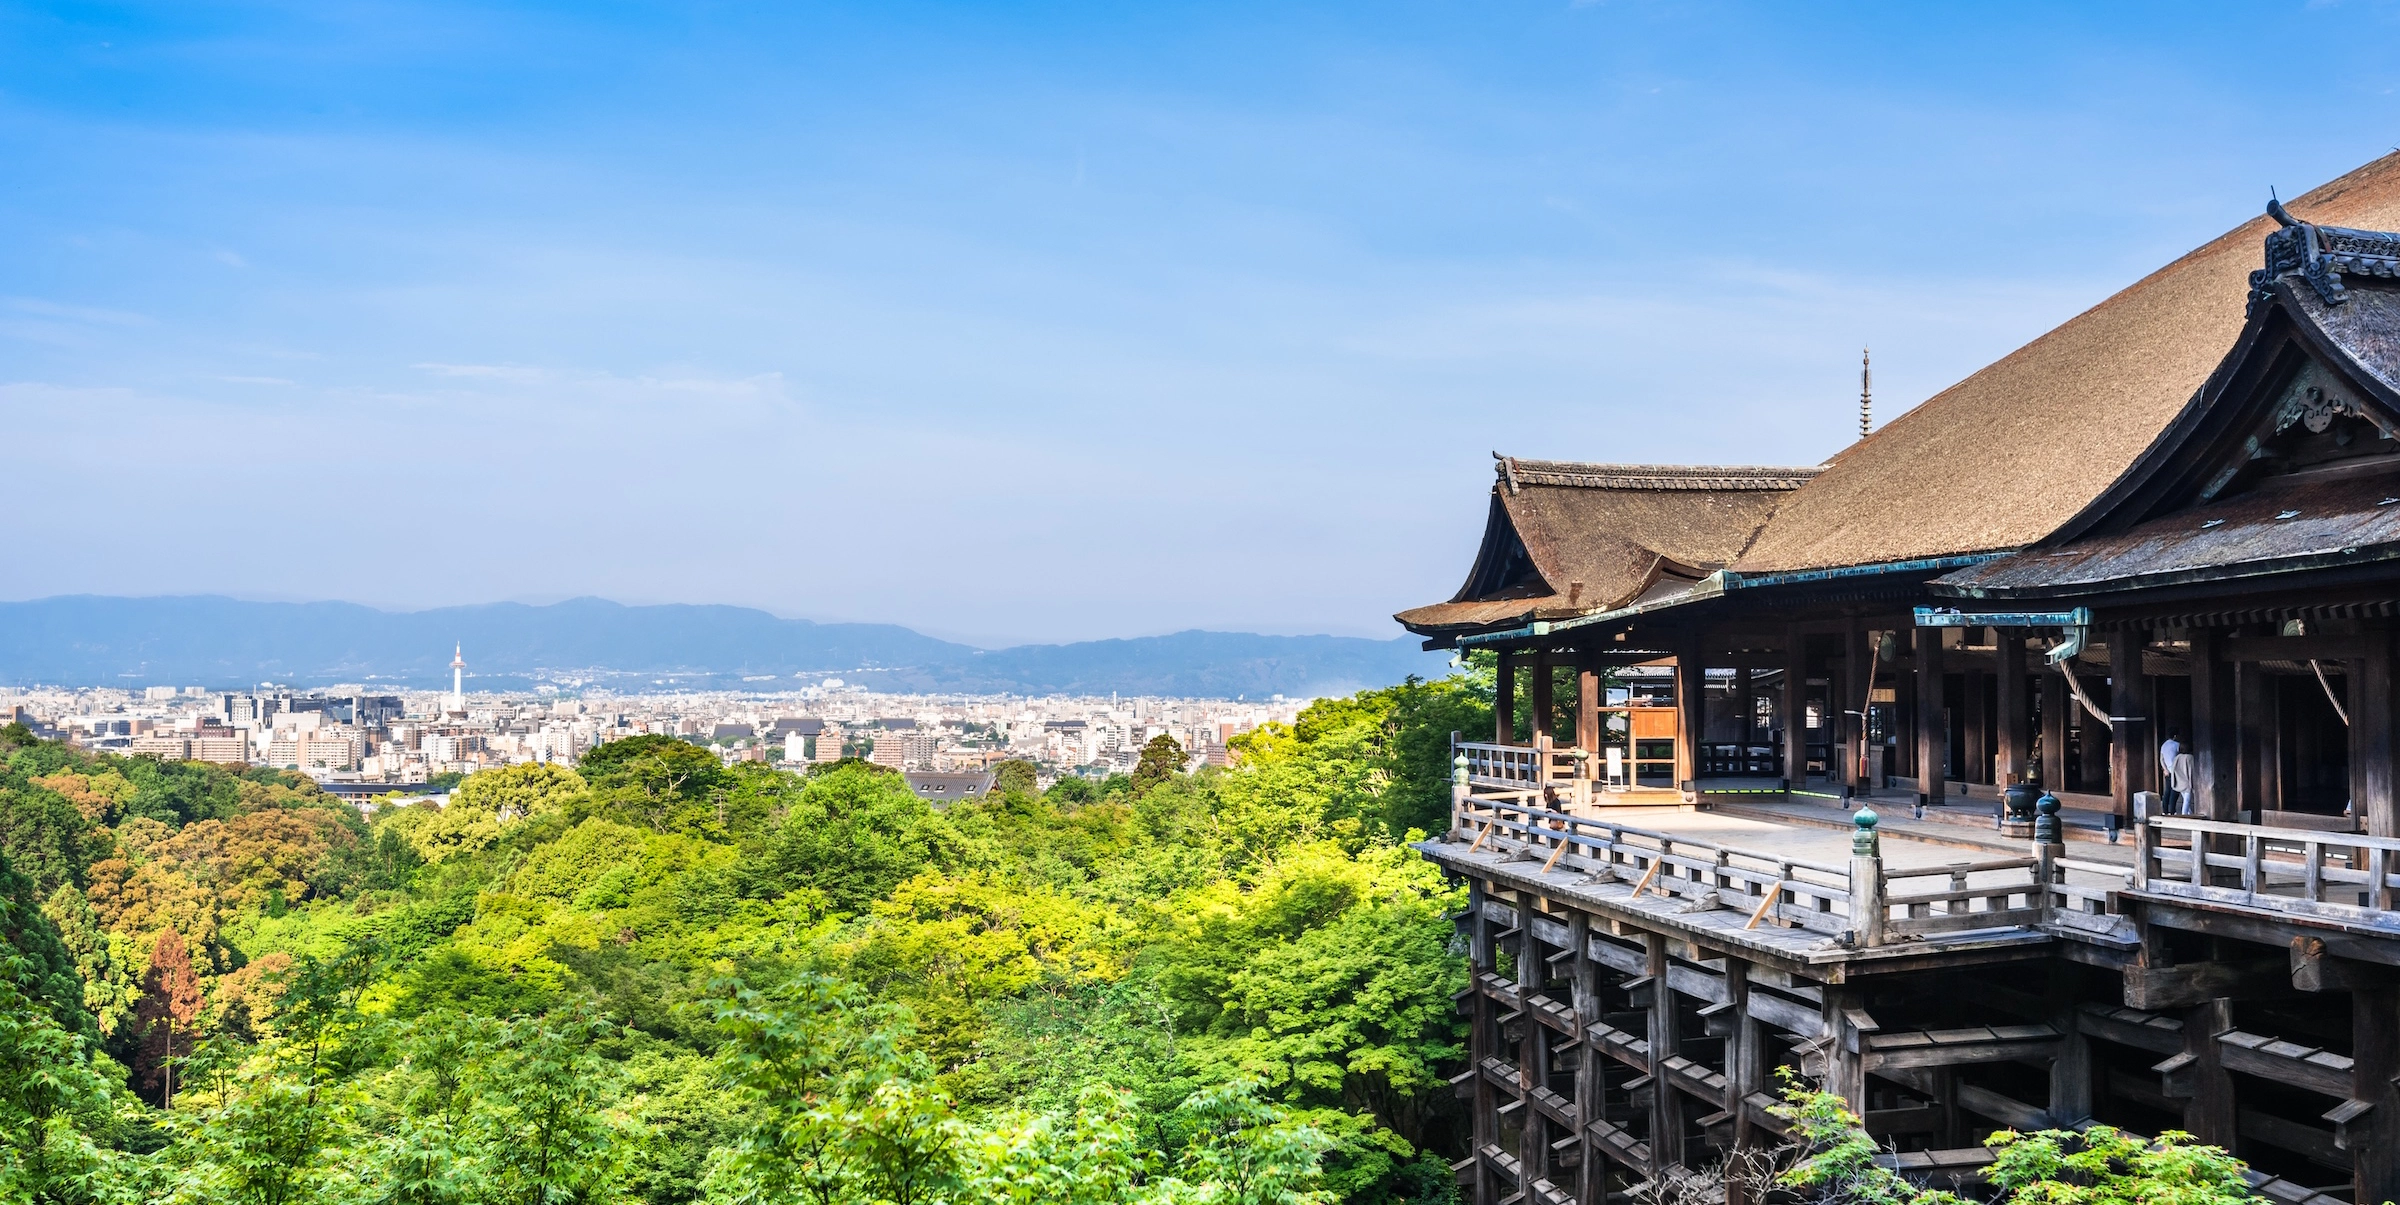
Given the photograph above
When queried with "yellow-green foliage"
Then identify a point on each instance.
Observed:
(487, 805)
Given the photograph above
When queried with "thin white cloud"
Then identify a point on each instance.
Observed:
(75, 313)
(493, 372)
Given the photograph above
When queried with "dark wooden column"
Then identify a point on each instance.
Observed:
(2257, 772)
(2374, 1139)
(2015, 719)
(1545, 712)
(2371, 742)
(1795, 710)
(2208, 1113)
(1483, 1040)
(2055, 702)
(2267, 727)
(1933, 727)
(2133, 742)
(2071, 1071)
(1533, 1053)
(1974, 752)
(1745, 707)
(1845, 1067)
(1587, 705)
(2098, 744)
(1858, 689)
(1691, 705)
(1743, 1071)
(1591, 1067)
(1504, 701)
(2215, 764)
(1666, 1103)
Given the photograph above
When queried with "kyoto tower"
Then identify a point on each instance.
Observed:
(458, 678)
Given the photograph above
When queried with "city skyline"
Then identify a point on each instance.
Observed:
(1177, 318)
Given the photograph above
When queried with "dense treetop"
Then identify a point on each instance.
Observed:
(659, 978)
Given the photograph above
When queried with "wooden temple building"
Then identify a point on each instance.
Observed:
(1743, 807)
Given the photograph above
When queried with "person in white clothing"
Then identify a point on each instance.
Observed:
(2168, 750)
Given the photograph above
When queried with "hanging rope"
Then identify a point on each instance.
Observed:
(2338, 709)
(2067, 667)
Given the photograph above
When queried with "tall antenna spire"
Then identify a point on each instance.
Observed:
(1866, 394)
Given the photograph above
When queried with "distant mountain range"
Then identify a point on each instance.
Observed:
(224, 643)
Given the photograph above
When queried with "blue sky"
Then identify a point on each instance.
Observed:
(1041, 321)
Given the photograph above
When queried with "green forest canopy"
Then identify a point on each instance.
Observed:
(662, 979)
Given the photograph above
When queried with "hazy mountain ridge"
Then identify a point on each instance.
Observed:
(94, 640)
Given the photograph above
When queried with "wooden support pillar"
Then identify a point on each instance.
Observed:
(2216, 787)
(2373, 1138)
(1587, 708)
(1858, 689)
(2208, 1113)
(2096, 755)
(2014, 728)
(1795, 710)
(1745, 1072)
(1691, 706)
(2071, 1071)
(1745, 708)
(2268, 728)
(1666, 1103)
(1591, 1067)
(1933, 726)
(1533, 1054)
(2251, 685)
(1483, 1041)
(1545, 711)
(1837, 676)
(2133, 743)
(2372, 792)
(1976, 753)
(1845, 1067)
(2054, 730)
(1504, 701)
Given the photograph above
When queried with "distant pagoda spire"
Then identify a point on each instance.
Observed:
(1866, 394)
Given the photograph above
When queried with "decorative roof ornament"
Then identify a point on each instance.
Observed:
(2320, 254)
(1866, 394)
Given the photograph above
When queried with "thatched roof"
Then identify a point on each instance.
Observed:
(1566, 539)
(2009, 455)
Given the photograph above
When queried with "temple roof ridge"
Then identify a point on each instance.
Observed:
(1515, 471)
(2320, 255)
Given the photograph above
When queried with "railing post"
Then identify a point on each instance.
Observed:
(1458, 792)
(2049, 845)
(1866, 879)
(2145, 838)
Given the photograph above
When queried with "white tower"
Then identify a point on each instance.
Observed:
(458, 678)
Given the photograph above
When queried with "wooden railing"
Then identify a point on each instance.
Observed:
(1503, 769)
(2345, 876)
(1801, 894)
(1866, 902)
(1957, 906)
